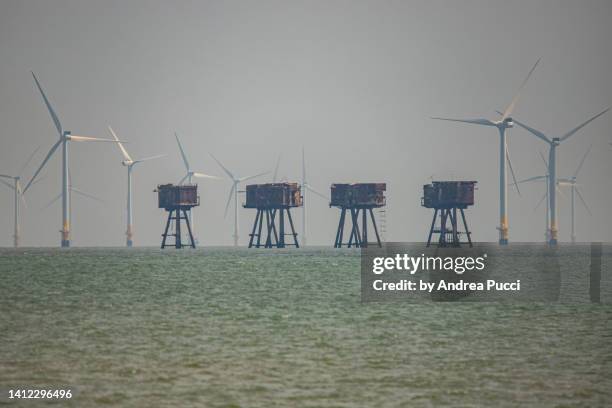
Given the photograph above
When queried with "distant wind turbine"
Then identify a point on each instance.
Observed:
(65, 136)
(306, 187)
(234, 192)
(553, 142)
(189, 176)
(18, 194)
(502, 124)
(544, 178)
(573, 185)
(130, 163)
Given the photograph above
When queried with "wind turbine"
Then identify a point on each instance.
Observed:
(18, 193)
(502, 124)
(65, 136)
(234, 192)
(544, 198)
(306, 187)
(189, 175)
(553, 142)
(571, 183)
(129, 163)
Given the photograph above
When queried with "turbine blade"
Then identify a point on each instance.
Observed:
(181, 181)
(29, 160)
(93, 139)
(159, 156)
(315, 192)
(7, 184)
(183, 155)
(53, 149)
(56, 120)
(533, 131)
(518, 190)
(544, 160)
(81, 193)
(559, 190)
(252, 177)
(485, 122)
(536, 178)
(510, 107)
(540, 202)
(202, 175)
(275, 176)
(229, 200)
(577, 128)
(126, 155)
(582, 161)
(583, 201)
(50, 203)
(6, 176)
(229, 174)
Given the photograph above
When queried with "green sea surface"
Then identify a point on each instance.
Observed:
(221, 327)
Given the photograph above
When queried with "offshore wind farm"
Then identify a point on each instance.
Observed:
(503, 124)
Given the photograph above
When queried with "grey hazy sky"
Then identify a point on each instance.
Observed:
(354, 82)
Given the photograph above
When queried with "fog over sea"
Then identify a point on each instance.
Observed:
(264, 328)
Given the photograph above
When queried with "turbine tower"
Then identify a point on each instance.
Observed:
(572, 184)
(234, 192)
(18, 195)
(553, 143)
(504, 123)
(306, 187)
(65, 136)
(189, 175)
(129, 163)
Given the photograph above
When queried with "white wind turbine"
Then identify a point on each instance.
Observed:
(130, 163)
(189, 176)
(502, 124)
(234, 192)
(544, 178)
(553, 142)
(18, 195)
(65, 136)
(306, 187)
(572, 184)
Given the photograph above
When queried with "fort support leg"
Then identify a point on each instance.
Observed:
(189, 229)
(433, 226)
(261, 217)
(356, 232)
(364, 228)
(254, 228)
(442, 239)
(295, 241)
(455, 227)
(340, 232)
(165, 234)
(281, 228)
(467, 231)
(177, 224)
(375, 228)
